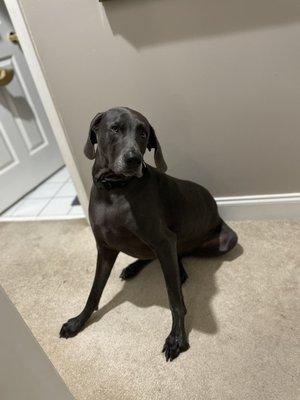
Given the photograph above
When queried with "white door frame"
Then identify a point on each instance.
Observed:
(35, 68)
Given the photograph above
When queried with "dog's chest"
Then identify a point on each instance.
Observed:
(109, 218)
(112, 224)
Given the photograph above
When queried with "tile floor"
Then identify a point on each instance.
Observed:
(50, 200)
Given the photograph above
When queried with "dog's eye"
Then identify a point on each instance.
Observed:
(115, 128)
(143, 134)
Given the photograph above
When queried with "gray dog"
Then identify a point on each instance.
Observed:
(141, 211)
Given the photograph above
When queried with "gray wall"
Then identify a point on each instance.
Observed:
(219, 80)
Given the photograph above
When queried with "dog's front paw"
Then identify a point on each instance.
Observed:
(71, 327)
(174, 345)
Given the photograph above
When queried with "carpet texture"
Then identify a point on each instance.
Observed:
(243, 315)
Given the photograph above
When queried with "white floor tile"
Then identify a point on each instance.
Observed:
(52, 199)
(67, 190)
(11, 210)
(61, 176)
(76, 210)
(57, 206)
(30, 207)
(45, 190)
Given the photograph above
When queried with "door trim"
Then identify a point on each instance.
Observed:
(19, 23)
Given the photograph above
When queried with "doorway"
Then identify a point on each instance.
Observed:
(33, 179)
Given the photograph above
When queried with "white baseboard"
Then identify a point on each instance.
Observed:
(270, 206)
(41, 218)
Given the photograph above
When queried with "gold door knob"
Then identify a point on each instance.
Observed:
(6, 76)
(12, 36)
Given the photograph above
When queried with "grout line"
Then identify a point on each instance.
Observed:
(43, 208)
(59, 189)
(22, 203)
(48, 202)
(73, 207)
(65, 197)
(71, 196)
(46, 197)
(17, 205)
(54, 198)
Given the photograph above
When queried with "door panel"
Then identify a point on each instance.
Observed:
(8, 158)
(18, 101)
(28, 150)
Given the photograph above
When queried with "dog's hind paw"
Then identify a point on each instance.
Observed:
(133, 269)
(174, 345)
(127, 273)
(71, 328)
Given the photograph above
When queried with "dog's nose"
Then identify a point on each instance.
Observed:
(133, 160)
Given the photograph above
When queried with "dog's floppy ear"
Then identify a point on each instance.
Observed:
(89, 149)
(153, 143)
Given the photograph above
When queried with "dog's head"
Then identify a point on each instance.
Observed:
(121, 137)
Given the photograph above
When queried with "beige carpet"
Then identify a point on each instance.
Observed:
(242, 315)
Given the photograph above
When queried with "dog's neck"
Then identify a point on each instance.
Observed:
(114, 182)
(109, 180)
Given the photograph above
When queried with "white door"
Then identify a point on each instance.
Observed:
(28, 150)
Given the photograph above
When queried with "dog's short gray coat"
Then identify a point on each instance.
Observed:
(143, 212)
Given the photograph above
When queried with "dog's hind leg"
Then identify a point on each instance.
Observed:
(220, 242)
(133, 269)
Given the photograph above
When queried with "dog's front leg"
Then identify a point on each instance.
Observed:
(105, 261)
(177, 341)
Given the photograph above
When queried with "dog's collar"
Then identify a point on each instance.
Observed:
(109, 184)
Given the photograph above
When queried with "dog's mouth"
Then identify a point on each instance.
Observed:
(117, 176)
(111, 175)
(129, 172)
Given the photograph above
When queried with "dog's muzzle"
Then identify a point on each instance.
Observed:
(132, 160)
